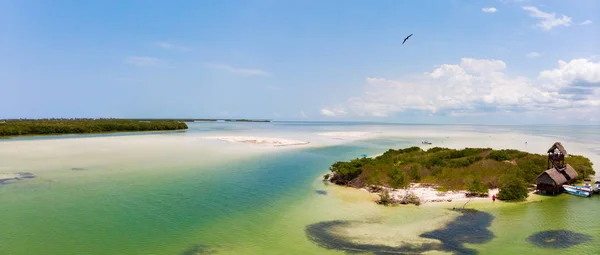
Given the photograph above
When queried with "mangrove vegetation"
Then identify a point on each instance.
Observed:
(21, 127)
(473, 169)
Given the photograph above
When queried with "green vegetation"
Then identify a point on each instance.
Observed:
(512, 188)
(471, 169)
(80, 126)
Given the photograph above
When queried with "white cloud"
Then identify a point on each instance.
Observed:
(478, 86)
(489, 10)
(142, 61)
(482, 65)
(332, 112)
(587, 22)
(303, 114)
(576, 70)
(548, 20)
(236, 70)
(533, 54)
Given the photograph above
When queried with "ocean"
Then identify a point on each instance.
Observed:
(191, 193)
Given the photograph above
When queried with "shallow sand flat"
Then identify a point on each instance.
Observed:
(258, 140)
(85, 153)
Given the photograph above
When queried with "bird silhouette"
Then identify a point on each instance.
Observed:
(406, 38)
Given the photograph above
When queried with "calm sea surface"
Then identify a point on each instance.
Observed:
(274, 203)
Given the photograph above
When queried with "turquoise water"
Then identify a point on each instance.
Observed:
(262, 204)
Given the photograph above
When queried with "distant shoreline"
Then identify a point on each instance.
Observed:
(144, 119)
(28, 127)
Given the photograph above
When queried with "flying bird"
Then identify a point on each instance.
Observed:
(406, 38)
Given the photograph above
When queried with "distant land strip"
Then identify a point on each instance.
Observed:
(146, 119)
(59, 126)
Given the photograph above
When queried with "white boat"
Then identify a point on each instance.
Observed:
(578, 191)
(593, 187)
(596, 186)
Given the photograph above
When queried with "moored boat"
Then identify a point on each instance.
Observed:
(593, 188)
(578, 191)
(597, 186)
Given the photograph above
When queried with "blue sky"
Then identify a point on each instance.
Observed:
(468, 61)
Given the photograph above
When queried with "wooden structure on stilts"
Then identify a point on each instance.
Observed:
(550, 181)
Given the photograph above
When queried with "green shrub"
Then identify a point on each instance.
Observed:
(512, 188)
(414, 173)
(398, 178)
(582, 165)
(477, 187)
(498, 155)
(385, 198)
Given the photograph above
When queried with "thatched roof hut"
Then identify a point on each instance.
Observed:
(551, 177)
(570, 171)
(550, 181)
(560, 147)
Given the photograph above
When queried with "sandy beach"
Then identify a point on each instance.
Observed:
(258, 140)
(429, 194)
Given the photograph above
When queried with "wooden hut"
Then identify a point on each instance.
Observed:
(550, 181)
(556, 156)
(559, 173)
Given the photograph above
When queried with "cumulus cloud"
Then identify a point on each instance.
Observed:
(476, 86)
(237, 70)
(587, 22)
(576, 72)
(533, 54)
(489, 10)
(547, 21)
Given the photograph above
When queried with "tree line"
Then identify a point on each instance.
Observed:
(473, 169)
(19, 127)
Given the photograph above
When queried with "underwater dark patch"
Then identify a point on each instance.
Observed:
(470, 227)
(25, 175)
(321, 192)
(77, 169)
(19, 176)
(558, 239)
(320, 234)
(199, 249)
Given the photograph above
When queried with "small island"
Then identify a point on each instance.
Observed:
(23, 127)
(396, 175)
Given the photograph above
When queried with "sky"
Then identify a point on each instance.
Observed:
(496, 61)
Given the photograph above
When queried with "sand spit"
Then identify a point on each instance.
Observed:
(258, 140)
(345, 135)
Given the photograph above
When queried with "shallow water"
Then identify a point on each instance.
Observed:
(194, 200)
